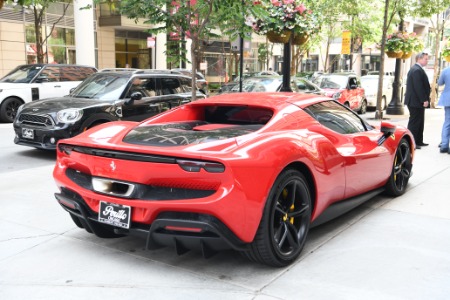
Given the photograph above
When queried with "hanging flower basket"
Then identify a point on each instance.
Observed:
(392, 54)
(299, 39)
(276, 37)
(406, 55)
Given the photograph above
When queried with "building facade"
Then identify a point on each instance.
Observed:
(105, 39)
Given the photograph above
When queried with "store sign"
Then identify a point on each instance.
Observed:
(151, 42)
(346, 42)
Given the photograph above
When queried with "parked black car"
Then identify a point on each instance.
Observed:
(103, 97)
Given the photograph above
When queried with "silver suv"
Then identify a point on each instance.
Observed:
(38, 81)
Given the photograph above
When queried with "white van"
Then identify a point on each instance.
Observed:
(38, 81)
(370, 85)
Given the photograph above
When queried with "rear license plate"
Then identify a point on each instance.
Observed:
(27, 133)
(114, 214)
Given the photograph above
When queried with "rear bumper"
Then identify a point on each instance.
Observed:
(180, 230)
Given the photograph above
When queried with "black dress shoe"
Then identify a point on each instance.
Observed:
(418, 147)
(423, 144)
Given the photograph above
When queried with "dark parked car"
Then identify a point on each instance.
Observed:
(103, 97)
(27, 83)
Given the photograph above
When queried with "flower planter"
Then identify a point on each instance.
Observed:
(276, 37)
(299, 39)
(392, 54)
(406, 55)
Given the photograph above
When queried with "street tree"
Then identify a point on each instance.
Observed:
(196, 20)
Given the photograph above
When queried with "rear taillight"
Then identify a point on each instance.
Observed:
(196, 166)
(66, 149)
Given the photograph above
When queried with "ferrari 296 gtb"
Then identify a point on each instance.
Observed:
(247, 171)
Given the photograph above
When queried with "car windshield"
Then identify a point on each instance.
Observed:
(260, 84)
(101, 86)
(332, 82)
(22, 74)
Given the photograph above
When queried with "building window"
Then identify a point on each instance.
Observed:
(60, 46)
(131, 50)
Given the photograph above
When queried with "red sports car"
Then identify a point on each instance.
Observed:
(248, 171)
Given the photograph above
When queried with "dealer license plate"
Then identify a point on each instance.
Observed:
(27, 133)
(114, 214)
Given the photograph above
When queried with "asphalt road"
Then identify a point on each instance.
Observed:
(388, 248)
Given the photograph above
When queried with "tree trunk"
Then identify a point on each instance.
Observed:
(438, 30)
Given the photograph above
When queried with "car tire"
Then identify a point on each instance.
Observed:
(8, 109)
(363, 108)
(285, 222)
(401, 170)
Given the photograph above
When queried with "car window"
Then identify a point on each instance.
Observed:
(337, 117)
(50, 74)
(302, 85)
(170, 86)
(22, 74)
(352, 82)
(101, 86)
(74, 73)
(332, 82)
(186, 84)
(146, 86)
(243, 115)
(260, 84)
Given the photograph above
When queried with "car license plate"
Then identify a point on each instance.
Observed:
(27, 133)
(114, 214)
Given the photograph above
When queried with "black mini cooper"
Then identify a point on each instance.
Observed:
(106, 96)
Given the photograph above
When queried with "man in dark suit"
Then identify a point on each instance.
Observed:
(417, 98)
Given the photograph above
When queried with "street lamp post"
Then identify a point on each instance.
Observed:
(286, 85)
(395, 107)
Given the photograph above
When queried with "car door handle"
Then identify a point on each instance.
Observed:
(57, 86)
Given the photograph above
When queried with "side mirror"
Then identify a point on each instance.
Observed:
(387, 129)
(134, 96)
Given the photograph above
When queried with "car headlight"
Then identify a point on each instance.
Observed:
(337, 96)
(70, 115)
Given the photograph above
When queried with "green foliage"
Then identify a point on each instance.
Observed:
(446, 52)
(403, 41)
(280, 15)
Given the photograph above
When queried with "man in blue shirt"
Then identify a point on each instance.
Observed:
(444, 100)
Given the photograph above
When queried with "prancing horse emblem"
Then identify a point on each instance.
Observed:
(113, 166)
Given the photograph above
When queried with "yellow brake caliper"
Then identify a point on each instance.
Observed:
(285, 217)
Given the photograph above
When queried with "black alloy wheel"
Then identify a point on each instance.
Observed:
(285, 222)
(9, 109)
(401, 170)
